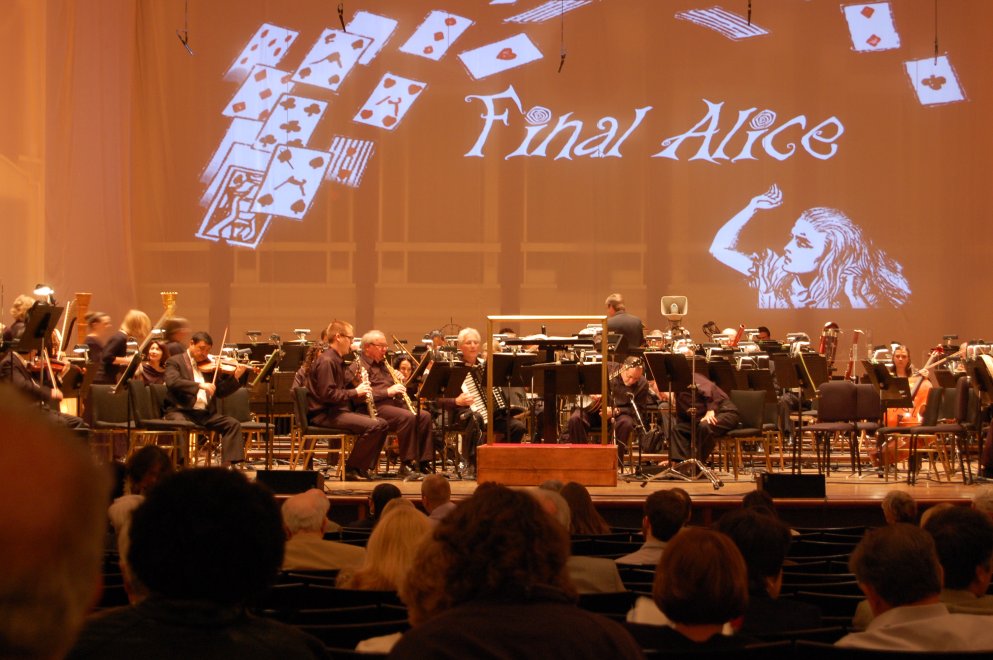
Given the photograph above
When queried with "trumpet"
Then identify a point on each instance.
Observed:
(398, 379)
(369, 401)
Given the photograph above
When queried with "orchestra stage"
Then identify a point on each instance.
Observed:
(849, 500)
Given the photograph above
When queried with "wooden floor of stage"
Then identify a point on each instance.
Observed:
(849, 500)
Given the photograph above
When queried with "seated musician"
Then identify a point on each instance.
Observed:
(413, 428)
(628, 388)
(152, 371)
(468, 408)
(192, 395)
(19, 310)
(919, 387)
(14, 369)
(313, 352)
(715, 415)
(329, 403)
(404, 365)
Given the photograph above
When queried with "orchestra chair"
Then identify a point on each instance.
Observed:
(770, 426)
(238, 405)
(109, 419)
(192, 430)
(302, 448)
(868, 415)
(151, 428)
(959, 427)
(836, 414)
(751, 409)
(898, 434)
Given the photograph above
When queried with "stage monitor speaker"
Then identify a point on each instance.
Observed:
(792, 485)
(290, 482)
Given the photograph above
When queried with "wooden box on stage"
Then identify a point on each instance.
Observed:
(530, 465)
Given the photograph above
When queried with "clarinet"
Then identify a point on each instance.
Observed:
(369, 401)
(398, 379)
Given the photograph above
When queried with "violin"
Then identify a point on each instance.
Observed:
(216, 364)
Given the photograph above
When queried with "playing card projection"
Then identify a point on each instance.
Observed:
(259, 93)
(230, 194)
(390, 101)
(435, 35)
(331, 58)
(871, 26)
(376, 27)
(293, 178)
(239, 130)
(548, 10)
(267, 47)
(500, 56)
(349, 159)
(934, 80)
(723, 22)
(292, 122)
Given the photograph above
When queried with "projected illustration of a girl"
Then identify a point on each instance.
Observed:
(827, 263)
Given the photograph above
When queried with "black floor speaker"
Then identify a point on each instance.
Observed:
(290, 482)
(792, 485)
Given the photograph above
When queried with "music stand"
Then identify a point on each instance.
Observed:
(41, 320)
(265, 377)
(293, 355)
(805, 373)
(444, 381)
(679, 371)
(894, 391)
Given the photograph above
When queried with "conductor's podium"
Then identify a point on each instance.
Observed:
(532, 464)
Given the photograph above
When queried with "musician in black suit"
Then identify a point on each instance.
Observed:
(628, 387)
(413, 429)
(14, 370)
(466, 406)
(715, 415)
(193, 395)
(627, 325)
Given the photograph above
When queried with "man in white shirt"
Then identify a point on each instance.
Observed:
(897, 568)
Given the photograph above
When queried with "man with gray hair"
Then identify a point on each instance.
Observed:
(898, 570)
(51, 532)
(305, 518)
(413, 429)
(588, 574)
(899, 506)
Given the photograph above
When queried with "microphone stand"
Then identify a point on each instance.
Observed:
(637, 474)
(701, 470)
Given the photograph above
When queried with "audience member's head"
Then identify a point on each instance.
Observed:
(554, 505)
(983, 501)
(390, 551)
(207, 535)
(932, 511)
(382, 494)
(666, 511)
(551, 484)
(585, 518)
(896, 565)
(397, 503)
(51, 532)
(701, 579)
(899, 507)
(306, 513)
(498, 544)
(760, 499)
(147, 467)
(963, 539)
(435, 491)
(763, 541)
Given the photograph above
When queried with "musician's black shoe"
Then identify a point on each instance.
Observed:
(353, 474)
(405, 468)
(425, 467)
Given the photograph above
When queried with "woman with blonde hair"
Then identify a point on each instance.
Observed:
(135, 326)
(19, 310)
(389, 555)
(827, 263)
